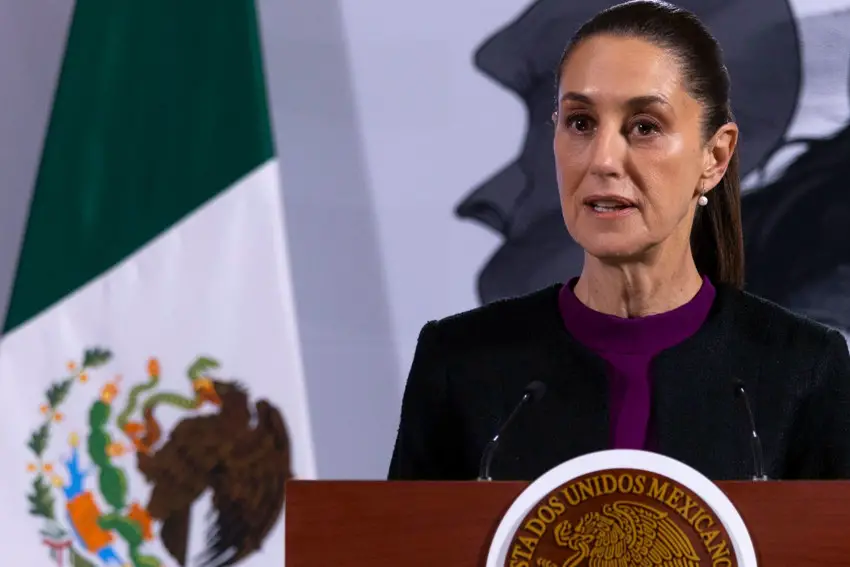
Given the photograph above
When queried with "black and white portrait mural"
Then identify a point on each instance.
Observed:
(790, 68)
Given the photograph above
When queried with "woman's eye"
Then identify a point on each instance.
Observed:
(583, 124)
(580, 123)
(645, 128)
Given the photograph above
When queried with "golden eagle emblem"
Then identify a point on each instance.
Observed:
(626, 533)
(245, 464)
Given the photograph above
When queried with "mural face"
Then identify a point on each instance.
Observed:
(797, 240)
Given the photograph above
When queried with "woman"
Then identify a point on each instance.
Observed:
(644, 349)
(520, 201)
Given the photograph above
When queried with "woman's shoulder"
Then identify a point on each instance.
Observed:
(524, 316)
(760, 322)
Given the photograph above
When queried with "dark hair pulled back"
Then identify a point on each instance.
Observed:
(716, 238)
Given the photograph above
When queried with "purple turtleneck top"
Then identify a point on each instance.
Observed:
(628, 346)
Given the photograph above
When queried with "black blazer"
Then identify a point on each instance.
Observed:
(470, 370)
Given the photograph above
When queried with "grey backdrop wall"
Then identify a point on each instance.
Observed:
(32, 39)
(347, 341)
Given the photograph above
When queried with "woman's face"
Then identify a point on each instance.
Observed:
(630, 156)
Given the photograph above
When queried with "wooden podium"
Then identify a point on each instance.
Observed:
(450, 524)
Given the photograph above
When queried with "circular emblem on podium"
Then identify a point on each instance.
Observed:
(622, 509)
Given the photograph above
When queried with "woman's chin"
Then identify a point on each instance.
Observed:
(615, 249)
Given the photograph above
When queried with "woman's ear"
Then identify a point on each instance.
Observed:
(718, 154)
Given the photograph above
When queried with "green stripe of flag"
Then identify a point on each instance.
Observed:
(160, 106)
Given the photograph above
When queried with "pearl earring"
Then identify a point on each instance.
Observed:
(702, 201)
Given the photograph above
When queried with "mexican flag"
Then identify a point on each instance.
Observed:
(153, 394)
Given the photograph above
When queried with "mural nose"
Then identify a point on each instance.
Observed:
(494, 202)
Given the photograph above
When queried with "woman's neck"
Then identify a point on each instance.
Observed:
(637, 290)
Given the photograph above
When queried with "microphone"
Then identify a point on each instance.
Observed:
(532, 393)
(755, 440)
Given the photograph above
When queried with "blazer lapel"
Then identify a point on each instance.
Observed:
(695, 408)
(569, 421)
(573, 417)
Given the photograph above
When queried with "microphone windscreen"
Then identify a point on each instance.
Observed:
(739, 387)
(536, 390)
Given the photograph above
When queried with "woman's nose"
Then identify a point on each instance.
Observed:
(608, 151)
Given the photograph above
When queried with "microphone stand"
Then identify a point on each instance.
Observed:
(533, 392)
(755, 440)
